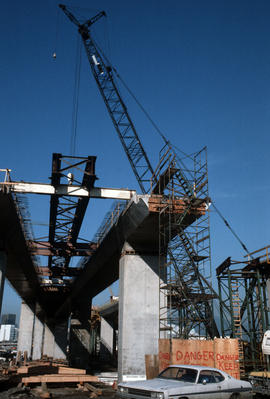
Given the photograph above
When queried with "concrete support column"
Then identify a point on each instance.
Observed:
(106, 339)
(26, 326)
(3, 266)
(80, 335)
(60, 339)
(38, 333)
(48, 342)
(138, 312)
(38, 339)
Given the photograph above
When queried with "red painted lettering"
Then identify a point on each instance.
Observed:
(220, 366)
(205, 357)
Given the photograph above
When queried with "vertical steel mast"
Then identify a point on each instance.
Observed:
(124, 126)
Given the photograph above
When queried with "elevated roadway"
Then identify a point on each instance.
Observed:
(137, 225)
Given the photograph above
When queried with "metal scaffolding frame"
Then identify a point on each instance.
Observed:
(244, 309)
(186, 294)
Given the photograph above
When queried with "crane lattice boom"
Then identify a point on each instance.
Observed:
(124, 126)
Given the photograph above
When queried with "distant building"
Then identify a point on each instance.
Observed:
(8, 319)
(8, 332)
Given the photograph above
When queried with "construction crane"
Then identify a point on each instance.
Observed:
(103, 74)
(149, 180)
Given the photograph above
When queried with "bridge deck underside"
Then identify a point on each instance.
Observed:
(137, 225)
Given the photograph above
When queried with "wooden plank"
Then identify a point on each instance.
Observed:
(38, 368)
(22, 370)
(193, 352)
(69, 370)
(151, 366)
(59, 378)
(227, 356)
(221, 353)
(93, 389)
(164, 353)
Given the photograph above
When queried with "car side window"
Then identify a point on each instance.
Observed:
(208, 376)
(218, 377)
(170, 372)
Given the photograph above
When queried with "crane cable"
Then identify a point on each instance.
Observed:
(167, 142)
(77, 79)
(230, 228)
(56, 32)
(132, 95)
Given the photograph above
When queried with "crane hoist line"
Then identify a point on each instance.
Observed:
(103, 74)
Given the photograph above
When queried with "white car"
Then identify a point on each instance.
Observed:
(187, 382)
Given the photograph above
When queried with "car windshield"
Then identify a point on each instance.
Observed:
(179, 374)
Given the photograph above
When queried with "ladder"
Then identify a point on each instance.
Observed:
(237, 325)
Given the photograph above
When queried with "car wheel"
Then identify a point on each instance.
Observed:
(234, 396)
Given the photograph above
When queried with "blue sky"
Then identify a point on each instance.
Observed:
(200, 68)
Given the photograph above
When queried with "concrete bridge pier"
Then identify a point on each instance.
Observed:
(138, 311)
(80, 335)
(26, 326)
(108, 328)
(60, 334)
(38, 339)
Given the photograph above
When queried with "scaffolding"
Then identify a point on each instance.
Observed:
(244, 308)
(186, 294)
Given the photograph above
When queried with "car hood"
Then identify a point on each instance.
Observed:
(157, 384)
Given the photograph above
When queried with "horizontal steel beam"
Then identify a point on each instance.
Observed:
(58, 271)
(61, 248)
(65, 189)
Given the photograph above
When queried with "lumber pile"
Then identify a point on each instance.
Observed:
(59, 378)
(46, 374)
(40, 374)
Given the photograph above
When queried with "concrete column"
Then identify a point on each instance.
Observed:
(48, 342)
(38, 332)
(60, 339)
(106, 339)
(55, 340)
(138, 312)
(3, 266)
(25, 337)
(80, 335)
(38, 339)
